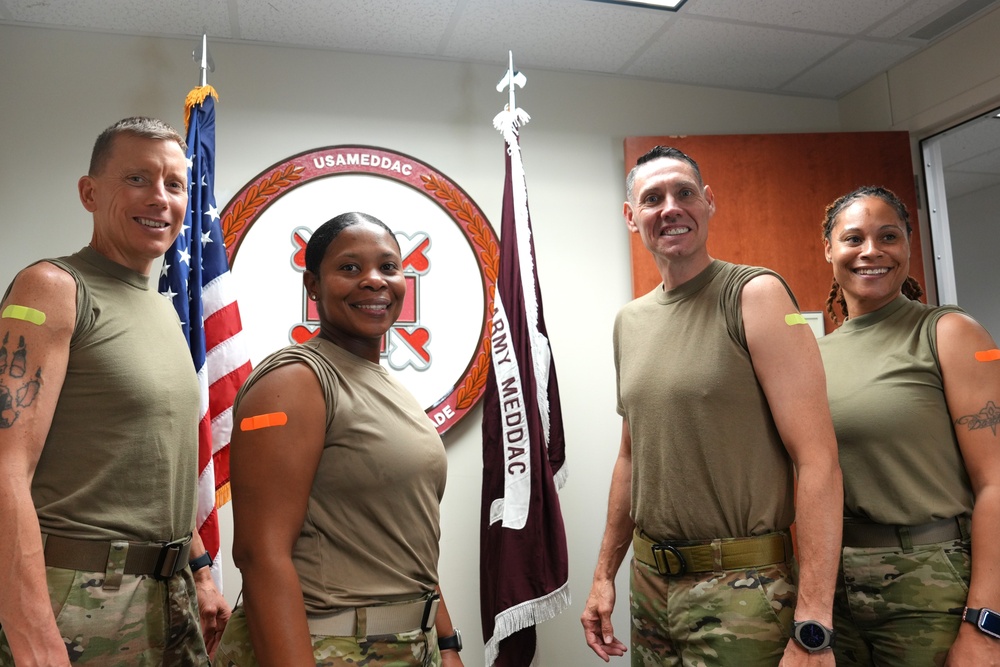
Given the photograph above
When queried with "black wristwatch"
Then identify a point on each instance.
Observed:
(987, 620)
(204, 560)
(452, 642)
(812, 636)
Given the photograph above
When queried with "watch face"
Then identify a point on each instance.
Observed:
(812, 635)
(989, 622)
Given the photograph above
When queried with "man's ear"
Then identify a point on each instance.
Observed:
(710, 198)
(629, 214)
(85, 186)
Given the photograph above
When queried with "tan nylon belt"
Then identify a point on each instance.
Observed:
(865, 534)
(144, 558)
(740, 553)
(386, 619)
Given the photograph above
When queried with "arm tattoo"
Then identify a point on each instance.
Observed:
(988, 417)
(12, 367)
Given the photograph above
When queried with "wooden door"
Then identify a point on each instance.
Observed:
(771, 192)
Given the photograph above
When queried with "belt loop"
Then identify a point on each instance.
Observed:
(905, 539)
(717, 557)
(963, 528)
(362, 629)
(115, 570)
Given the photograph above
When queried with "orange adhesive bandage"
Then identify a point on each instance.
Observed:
(264, 421)
(988, 355)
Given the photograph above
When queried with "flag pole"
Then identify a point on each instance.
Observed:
(508, 120)
(521, 529)
(204, 59)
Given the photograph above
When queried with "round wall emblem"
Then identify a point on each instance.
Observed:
(439, 347)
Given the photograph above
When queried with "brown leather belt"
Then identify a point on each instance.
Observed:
(159, 560)
(385, 619)
(673, 559)
(866, 534)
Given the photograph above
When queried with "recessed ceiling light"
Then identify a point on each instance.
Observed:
(668, 5)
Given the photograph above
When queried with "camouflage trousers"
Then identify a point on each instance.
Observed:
(733, 619)
(405, 649)
(143, 622)
(894, 608)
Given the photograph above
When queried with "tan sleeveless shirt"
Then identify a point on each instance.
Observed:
(373, 521)
(121, 457)
(707, 461)
(898, 449)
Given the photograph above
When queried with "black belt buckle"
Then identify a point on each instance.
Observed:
(171, 559)
(426, 622)
(660, 552)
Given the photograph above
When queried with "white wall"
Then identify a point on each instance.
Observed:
(954, 80)
(61, 88)
(975, 237)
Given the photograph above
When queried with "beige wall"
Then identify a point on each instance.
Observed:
(943, 85)
(60, 88)
(954, 80)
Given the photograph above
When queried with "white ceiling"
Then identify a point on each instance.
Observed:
(818, 48)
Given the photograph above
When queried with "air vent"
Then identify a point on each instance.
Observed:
(950, 19)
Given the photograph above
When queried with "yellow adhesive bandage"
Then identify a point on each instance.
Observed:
(988, 355)
(24, 313)
(795, 318)
(264, 421)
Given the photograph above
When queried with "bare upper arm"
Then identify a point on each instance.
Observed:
(972, 392)
(788, 366)
(37, 319)
(272, 468)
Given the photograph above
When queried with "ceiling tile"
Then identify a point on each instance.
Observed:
(840, 16)
(722, 54)
(969, 141)
(915, 14)
(177, 17)
(562, 34)
(848, 68)
(375, 26)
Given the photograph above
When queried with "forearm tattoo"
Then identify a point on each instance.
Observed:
(16, 393)
(988, 417)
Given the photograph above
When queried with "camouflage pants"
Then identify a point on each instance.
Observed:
(734, 619)
(895, 608)
(406, 649)
(144, 622)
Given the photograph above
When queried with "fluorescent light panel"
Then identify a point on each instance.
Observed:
(668, 5)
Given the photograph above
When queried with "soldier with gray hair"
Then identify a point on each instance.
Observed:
(99, 409)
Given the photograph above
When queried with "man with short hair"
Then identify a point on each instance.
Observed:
(99, 408)
(723, 400)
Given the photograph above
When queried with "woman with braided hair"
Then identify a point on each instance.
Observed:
(913, 392)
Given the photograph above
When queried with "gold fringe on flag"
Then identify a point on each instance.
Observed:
(223, 495)
(196, 96)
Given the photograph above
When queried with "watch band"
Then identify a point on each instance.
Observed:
(985, 619)
(204, 560)
(451, 642)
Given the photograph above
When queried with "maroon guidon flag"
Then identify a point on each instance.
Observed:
(524, 567)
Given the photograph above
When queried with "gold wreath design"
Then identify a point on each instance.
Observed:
(489, 252)
(246, 207)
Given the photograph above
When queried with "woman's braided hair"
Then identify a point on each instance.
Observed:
(911, 288)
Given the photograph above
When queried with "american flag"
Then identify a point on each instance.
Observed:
(524, 564)
(195, 277)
